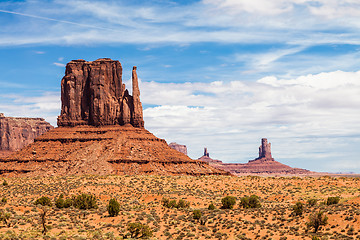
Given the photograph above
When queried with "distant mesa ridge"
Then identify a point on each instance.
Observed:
(263, 165)
(179, 147)
(101, 131)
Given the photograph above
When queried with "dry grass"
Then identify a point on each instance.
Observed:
(140, 199)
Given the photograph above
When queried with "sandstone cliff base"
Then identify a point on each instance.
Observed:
(102, 150)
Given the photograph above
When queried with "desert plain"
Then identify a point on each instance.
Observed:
(140, 198)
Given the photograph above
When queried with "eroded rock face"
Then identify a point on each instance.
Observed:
(265, 149)
(92, 93)
(179, 147)
(15, 133)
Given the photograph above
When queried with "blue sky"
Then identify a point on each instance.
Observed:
(220, 74)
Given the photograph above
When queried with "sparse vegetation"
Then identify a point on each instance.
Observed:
(5, 183)
(197, 214)
(317, 220)
(172, 203)
(43, 201)
(332, 200)
(228, 202)
(211, 206)
(113, 208)
(312, 202)
(139, 230)
(84, 201)
(298, 208)
(250, 202)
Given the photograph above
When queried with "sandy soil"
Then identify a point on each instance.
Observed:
(140, 199)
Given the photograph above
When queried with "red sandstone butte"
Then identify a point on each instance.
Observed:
(101, 131)
(17, 132)
(178, 147)
(263, 165)
(92, 93)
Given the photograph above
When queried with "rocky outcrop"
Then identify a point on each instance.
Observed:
(263, 165)
(179, 147)
(92, 93)
(100, 132)
(16, 132)
(265, 149)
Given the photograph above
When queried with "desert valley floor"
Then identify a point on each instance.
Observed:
(140, 199)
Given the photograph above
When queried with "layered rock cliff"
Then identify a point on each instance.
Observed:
(100, 132)
(92, 93)
(16, 132)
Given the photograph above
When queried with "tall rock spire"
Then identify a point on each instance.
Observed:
(265, 149)
(137, 115)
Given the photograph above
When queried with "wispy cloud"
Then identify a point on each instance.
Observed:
(59, 64)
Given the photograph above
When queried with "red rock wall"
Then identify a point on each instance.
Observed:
(92, 93)
(15, 133)
(179, 147)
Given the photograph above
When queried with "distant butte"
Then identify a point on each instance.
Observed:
(263, 165)
(101, 131)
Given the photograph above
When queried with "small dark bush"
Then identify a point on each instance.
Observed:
(4, 200)
(44, 201)
(332, 200)
(113, 208)
(4, 217)
(312, 202)
(172, 203)
(228, 202)
(250, 202)
(63, 203)
(84, 201)
(317, 220)
(5, 183)
(139, 230)
(298, 209)
(211, 207)
(197, 214)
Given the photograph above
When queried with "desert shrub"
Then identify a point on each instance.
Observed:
(250, 202)
(5, 183)
(317, 220)
(4, 200)
(139, 230)
(113, 208)
(197, 214)
(315, 238)
(211, 207)
(63, 203)
(312, 202)
(4, 217)
(172, 203)
(44, 201)
(183, 204)
(298, 209)
(332, 200)
(228, 202)
(84, 201)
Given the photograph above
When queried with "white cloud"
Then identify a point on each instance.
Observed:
(59, 64)
(231, 118)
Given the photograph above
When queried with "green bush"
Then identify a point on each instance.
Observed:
(4, 217)
(298, 209)
(228, 202)
(211, 207)
(332, 200)
(317, 220)
(172, 203)
(113, 208)
(63, 203)
(197, 214)
(312, 202)
(84, 201)
(139, 230)
(250, 202)
(5, 183)
(44, 201)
